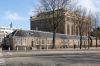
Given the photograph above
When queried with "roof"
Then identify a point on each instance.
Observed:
(34, 33)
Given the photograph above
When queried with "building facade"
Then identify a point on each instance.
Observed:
(4, 32)
(32, 39)
(68, 25)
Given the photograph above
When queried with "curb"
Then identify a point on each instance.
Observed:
(45, 53)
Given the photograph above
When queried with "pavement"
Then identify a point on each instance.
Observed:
(85, 59)
(8, 54)
(55, 57)
(2, 61)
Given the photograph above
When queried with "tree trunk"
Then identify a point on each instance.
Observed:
(88, 41)
(80, 41)
(88, 38)
(54, 36)
(96, 42)
(80, 37)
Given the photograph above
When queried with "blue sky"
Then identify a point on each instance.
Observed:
(18, 11)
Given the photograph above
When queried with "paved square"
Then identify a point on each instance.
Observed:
(76, 59)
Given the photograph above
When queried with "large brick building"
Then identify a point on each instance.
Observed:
(66, 26)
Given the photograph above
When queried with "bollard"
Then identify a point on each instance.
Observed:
(40, 47)
(47, 47)
(33, 48)
(0, 49)
(25, 48)
(17, 48)
(9, 49)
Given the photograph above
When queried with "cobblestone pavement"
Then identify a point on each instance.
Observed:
(47, 52)
(79, 59)
(2, 61)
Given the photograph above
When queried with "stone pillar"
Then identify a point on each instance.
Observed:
(75, 30)
(68, 29)
(65, 28)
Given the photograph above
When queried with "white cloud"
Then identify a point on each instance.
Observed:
(13, 16)
(88, 4)
(96, 1)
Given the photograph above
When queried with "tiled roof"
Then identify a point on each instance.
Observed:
(34, 33)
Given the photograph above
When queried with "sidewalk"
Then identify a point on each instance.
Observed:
(49, 52)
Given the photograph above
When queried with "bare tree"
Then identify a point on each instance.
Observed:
(89, 27)
(82, 22)
(55, 9)
(96, 21)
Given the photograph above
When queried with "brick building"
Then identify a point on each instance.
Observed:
(32, 39)
(67, 25)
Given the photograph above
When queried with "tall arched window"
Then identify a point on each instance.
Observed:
(72, 30)
(77, 30)
(68, 29)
